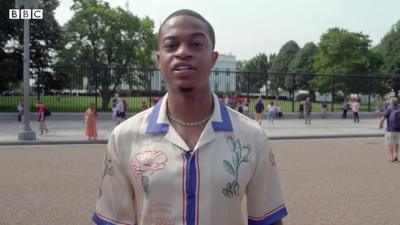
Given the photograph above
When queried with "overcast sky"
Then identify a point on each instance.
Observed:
(246, 28)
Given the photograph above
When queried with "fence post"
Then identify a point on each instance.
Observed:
(369, 92)
(293, 84)
(333, 93)
(248, 85)
(96, 78)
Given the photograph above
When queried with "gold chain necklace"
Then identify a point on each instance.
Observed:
(189, 124)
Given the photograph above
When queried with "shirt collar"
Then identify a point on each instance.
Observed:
(159, 123)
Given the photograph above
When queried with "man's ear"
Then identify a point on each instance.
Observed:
(158, 57)
(214, 57)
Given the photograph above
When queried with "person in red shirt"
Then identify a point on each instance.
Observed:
(41, 117)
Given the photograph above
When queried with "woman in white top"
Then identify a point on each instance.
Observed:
(271, 112)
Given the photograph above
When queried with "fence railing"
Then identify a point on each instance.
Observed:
(72, 88)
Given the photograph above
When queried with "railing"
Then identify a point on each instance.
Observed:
(72, 88)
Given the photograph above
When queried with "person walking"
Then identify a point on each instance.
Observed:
(271, 112)
(20, 111)
(308, 110)
(42, 117)
(190, 159)
(91, 116)
(345, 108)
(324, 109)
(120, 110)
(355, 107)
(259, 107)
(392, 134)
(301, 110)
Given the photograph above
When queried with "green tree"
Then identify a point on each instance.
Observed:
(116, 45)
(344, 52)
(253, 73)
(302, 68)
(44, 35)
(390, 50)
(280, 65)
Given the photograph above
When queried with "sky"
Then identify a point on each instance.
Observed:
(247, 28)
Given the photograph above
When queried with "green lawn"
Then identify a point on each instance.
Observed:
(80, 103)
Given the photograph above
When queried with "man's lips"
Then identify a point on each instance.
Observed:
(183, 68)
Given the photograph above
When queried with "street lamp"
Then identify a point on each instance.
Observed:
(26, 133)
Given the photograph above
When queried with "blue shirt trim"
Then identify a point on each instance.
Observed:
(154, 127)
(191, 184)
(270, 219)
(99, 221)
(225, 124)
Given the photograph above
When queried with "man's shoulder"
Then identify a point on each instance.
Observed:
(135, 124)
(242, 123)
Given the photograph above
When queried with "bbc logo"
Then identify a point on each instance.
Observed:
(15, 14)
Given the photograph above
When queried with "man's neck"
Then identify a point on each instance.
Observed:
(190, 107)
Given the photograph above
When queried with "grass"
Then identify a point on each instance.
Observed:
(80, 104)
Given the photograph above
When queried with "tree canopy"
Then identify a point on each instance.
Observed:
(344, 52)
(112, 42)
(389, 47)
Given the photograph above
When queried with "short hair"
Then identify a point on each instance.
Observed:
(393, 100)
(188, 12)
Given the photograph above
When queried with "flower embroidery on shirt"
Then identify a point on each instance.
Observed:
(240, 154)
(108, 170)
(145, 164)
(272, 159)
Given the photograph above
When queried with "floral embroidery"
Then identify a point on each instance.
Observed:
(272, 159)
(108, 170)
(240, 155)
(145, 164)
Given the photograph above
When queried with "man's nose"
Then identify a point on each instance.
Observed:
(183, 51)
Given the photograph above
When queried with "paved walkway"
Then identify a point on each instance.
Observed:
(70, 129)
(324, 181)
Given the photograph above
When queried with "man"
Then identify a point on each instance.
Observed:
(308, 109)
(355, 107)
(392, 135)
(259, 107)
(189, 160)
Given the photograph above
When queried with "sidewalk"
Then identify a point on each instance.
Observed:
(70, 129)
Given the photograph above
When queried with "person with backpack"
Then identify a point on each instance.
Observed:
(392, 134)
(43, 113)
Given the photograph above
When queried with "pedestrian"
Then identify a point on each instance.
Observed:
(189, 159)
(114, 108)
(259, 107)
(271, 112)
(144, 106)
(324, 109)
(355, 107)
(245, 108)
(392, 134)
(91, 116)
(301, 110)
(20, 111)
(43, 113)
(308, 110)
(120, 110)
(345, 108)
(279, 111)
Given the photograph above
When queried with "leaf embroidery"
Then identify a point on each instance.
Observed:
(240, 155)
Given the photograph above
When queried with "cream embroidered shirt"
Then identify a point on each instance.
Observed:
(151, 177)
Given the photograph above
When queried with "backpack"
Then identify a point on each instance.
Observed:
(394, 118)
(47, 112)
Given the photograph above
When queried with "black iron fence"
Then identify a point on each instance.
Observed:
(72, 88)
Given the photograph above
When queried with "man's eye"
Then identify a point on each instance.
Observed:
(197, 45)
(171, 46)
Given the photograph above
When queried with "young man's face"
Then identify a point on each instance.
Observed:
(185, 54)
